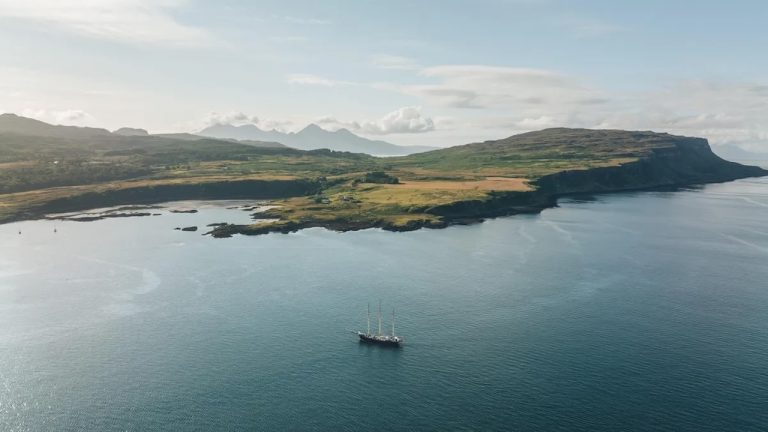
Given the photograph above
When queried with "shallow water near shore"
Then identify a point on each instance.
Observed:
(637, 311)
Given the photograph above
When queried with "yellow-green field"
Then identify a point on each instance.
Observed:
(32, 179)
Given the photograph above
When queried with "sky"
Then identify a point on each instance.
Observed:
(409, 72)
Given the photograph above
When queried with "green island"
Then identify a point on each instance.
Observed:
(48, 169)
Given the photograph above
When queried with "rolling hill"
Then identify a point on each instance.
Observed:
(88, 168)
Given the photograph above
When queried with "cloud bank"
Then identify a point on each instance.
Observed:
(127, 21)
(481, 86)
(235, 118)
(405, 120)
(402, 120)
(508, 100)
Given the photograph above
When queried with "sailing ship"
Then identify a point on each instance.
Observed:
(380, 338)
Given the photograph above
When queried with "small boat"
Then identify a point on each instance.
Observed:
(380, 338)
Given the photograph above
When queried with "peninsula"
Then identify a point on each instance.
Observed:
(46, 169)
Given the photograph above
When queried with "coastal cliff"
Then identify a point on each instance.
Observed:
(670, 161)
(689, 161)
(46, 169)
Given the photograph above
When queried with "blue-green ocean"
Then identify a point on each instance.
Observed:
(641, 311)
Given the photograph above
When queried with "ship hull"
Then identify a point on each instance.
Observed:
(383, 341)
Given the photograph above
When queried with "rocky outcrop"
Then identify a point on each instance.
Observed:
(690, 161)
(339, 225)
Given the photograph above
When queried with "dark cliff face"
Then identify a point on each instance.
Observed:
(688, 161)
(499, 204)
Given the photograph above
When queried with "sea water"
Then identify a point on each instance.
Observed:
(634, 311)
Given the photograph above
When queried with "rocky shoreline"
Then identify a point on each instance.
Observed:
(690, 163)
(144, 197)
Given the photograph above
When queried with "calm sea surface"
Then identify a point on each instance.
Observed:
(626, 312)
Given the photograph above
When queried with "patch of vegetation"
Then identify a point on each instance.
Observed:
(340, 189)
(45, 174)
(378, 177)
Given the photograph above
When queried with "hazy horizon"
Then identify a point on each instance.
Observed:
(428, 73)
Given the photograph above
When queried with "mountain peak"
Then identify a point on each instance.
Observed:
(344, 131)
(312, 128)
(231, 126)
(312, 137)
(128, 131)
(11, 118)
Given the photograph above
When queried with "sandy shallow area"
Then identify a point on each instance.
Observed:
(190, 206)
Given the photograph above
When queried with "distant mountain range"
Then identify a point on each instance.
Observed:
(23, 126)
(51, 169)
(14, 124)
(313, 137)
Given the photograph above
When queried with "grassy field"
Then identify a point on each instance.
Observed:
(37, 170)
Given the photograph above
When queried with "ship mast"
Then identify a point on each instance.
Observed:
(393, 322)
(379, 317)
(369, 320)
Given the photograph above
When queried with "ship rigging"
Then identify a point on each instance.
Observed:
(380, 338)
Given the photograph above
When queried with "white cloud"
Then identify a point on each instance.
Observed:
(405, 120)
(402, 120)
(236, 118)
(326, 120)
(520, 99)
(70, 117)
(481, 86)
(707, 120)
(282, 125)
(541, 122)
(336, 124)
(129, 21)
(721, 112)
